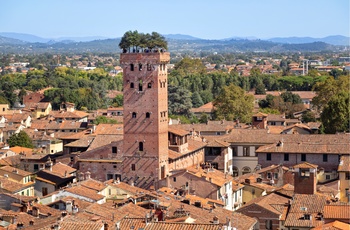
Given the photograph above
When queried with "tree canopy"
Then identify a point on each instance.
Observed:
(135, 40)
(20, 139)
(233, 103)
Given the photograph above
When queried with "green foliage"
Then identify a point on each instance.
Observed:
(196, 100)
(269, 111)
(104, 120)
(118, 100)
(179, 101)
(203, 118)
(233, 103)
(20, 139)
(135, 40)
(188, 66)
(308, 116)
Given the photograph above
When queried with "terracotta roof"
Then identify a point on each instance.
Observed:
(93, 184)
(102, 140)
(217, 143)
(80, 225)
(305, 147)
(260, 114)
(85, 192)
(303, 204)
(177, 131)
(19, 149)
(109, 129)
(276, 117)
(211, 175)
(305, 165)
(337, 212)
(272, 202)
(12, 186)
(335, 225)
(13, 170)
(206, 108)
(62, 169)
(83, 142)
(344, 165)
(182, 226)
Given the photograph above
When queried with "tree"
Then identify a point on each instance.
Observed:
(118, 100)
(336, 114)
(189, 66)
(179, 101)
(196, 100)
(260, 89)
(20, 139)
(309, 116)
(233, 103)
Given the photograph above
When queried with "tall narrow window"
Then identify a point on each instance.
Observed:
(286, 157)
(133, 115)
(268, 156)
(148, 115)
(140, 67)
(303, 157)
(133, 167)
(131, 67)
(140, 85)
(114, 149)
(149, 85)
(325, 157)
(132, 85)
(140, 146)
(149, 67)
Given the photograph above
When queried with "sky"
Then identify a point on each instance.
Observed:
(207, 19)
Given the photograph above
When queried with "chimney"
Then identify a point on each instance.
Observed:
(31, 222)
(105, 224)
(87, 175)
(215, 220)
(48, 164)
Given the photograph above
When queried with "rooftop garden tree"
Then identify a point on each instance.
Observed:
(135, 40)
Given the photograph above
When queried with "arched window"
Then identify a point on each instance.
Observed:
(149, 85)
(131, 67)
(235, 171)
(246, 170)
(133, 115)
(149, 67)
(140, 67)
(148, 115)
(140, 146)
(132, 85)
(140, 85)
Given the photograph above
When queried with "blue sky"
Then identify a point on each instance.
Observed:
(206, 19)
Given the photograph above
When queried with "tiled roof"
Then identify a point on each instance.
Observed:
(66, 114)
(271, 202)
(85, 192)
(14, 170)
(102, 140)
(276, 117)
(212, 175)
(80, 225)
(109, 129)
(344, 165)
(305, 147)
(305, 165)
(337, 212)
(19, 149)
(93, 184)
(303, 204)
(62, 169)
(177, 131)
(83, 142)
(212, 127)
(335, 225)
(206, 108)
(12, 186)
(180, 226)
(217, 143)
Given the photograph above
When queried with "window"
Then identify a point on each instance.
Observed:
(132, 85)
(347, 176)
(268, 224)
(303, 157)
(140, 146)
(133, 167)
(44, 191)
(328, 177)
(149, 85)
(114, 149)
(42, 110)
(268, 175)
(131, 67)
(140, 67)
(148, 115)
(140, 85)
(215, 165)
(286, 157)
(246, 151)
(174, 179)
(325, 157)
(275, 176)
(246, 170)
(235, 151)
(133, 115)
(36, 166)
(149, 67)
(234, 171)
(268, 156)
(304, 172)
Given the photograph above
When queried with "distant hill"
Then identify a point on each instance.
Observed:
(333, 40)
(181, 37)
(24, 37)
(6, 40)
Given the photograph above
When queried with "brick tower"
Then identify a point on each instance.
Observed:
(145, 144)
